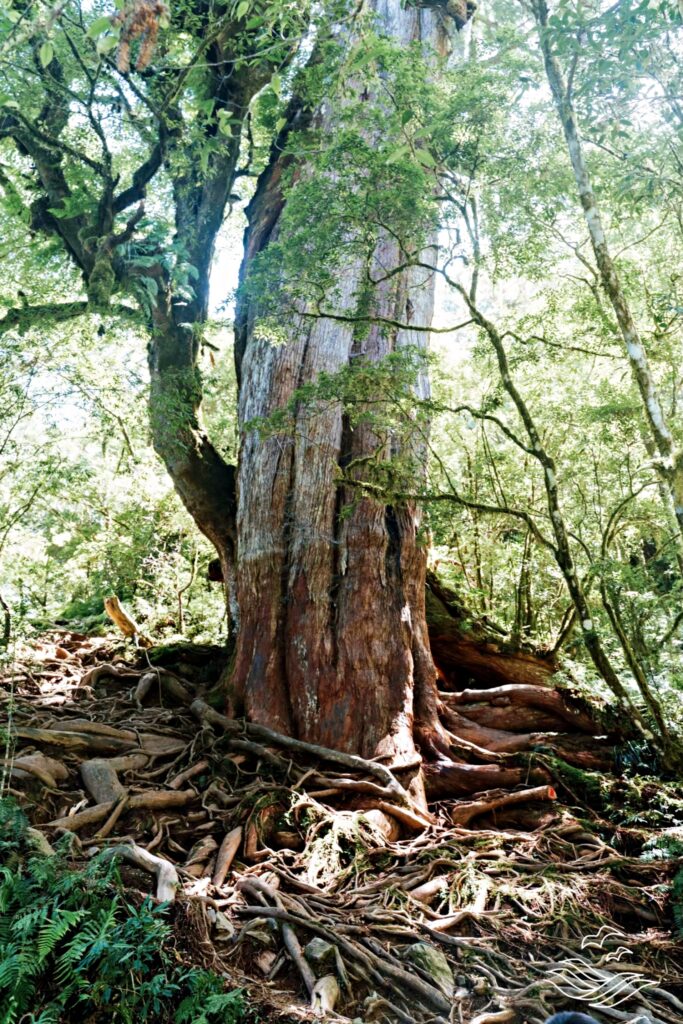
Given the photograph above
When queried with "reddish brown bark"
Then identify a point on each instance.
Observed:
(533, 696)
(467, 653)
(334, 646)
(333, 642)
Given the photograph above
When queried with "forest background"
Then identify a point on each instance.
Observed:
(86, 508)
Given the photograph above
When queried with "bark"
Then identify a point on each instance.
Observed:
(203, 480)
(333, 643)
(466, 652)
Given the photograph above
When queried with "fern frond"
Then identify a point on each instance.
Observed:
(54, 930)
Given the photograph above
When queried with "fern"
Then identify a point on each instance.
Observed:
(71, 949)
(54, 930)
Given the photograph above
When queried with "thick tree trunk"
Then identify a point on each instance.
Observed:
(333, 643)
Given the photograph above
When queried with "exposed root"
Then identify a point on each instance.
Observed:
(265, 844)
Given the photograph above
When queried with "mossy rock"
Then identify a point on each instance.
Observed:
(433, 962)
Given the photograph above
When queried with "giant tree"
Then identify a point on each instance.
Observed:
(333, 641)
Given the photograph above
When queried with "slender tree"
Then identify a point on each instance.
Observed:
(669, 461)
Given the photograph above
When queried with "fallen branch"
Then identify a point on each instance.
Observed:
(463, 813)
(166, 874)
(157, 800)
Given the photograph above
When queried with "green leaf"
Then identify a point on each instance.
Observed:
(98, 26)
(45, 54)
(276, 85)
(106, 43)
(425, 158)
(406, 116)
(398, 153)
(242, 9)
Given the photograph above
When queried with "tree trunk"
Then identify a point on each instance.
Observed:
(333, 644)
(203, 480)
(669, 465)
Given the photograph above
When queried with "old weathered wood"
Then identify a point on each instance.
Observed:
(47, 769)
(101, 781)
(463, 813)
(226, 854)
(153, 800)
(166, 874)
(124, 620)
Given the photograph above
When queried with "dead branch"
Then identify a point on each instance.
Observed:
(154, 800)
(166, 874)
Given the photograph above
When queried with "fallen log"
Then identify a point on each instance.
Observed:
(463, 813)
(503, 714)
(448, 778)
(155, 800)
(525, 695)
(75, 741)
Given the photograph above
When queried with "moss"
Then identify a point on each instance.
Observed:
(589, 787)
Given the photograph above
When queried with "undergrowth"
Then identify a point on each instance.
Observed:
(73, 947)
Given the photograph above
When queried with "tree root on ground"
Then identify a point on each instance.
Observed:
(265, 844)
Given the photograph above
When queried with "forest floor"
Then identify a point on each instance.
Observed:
(284, 882)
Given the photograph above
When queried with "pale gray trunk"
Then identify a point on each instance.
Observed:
(669, 462)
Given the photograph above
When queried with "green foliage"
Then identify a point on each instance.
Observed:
(71, 946)
(386, 148)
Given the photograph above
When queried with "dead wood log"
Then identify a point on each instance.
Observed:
(446, 778)
(503, 714)
(155, 800)
(496, 740)
(166, 874)
(466, 650)
(463, 813)
(522, 694)
(97, 728)
(75, 741)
